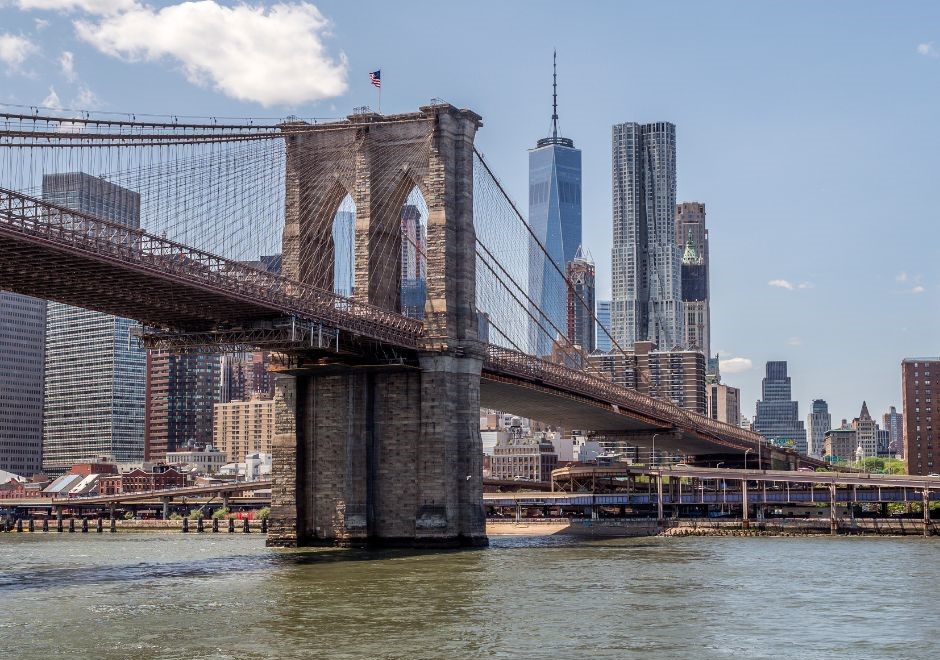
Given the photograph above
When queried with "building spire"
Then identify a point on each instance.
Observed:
(690, 257)
(555, 94)
(554, 139)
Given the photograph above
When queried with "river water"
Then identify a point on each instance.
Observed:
(203, 596)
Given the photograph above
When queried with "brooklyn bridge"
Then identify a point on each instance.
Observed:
(377, 397)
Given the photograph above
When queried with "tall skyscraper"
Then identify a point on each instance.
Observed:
(647, 278)
(555, 219)
(181, 390)
(893, 422)
(692, 235)
(602, 328)
(344, 253)
(581, 301)
(94, 367)
(22, 346)
(778, 417)
(817, 423)
(920, 383)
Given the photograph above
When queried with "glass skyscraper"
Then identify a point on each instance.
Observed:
(555, 219)
(94, 367)
(778, 417)
(22, 344)
(646, 259)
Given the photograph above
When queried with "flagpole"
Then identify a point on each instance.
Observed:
(380, 95)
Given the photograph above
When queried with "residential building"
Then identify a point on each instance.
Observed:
(182, 389)
(647, 276)
(893, 423)
(817, 423)
(581, 301)
(555, 220)
(866, 432)
(22, 350)
(778, 417)
(602, 341)
(243, 427)
(524, 458)
(245, 374)
(676, 376)
(884, 443)
(920, 382)
(94, 366)
(693, 238)
(840, 445)
(723, 402)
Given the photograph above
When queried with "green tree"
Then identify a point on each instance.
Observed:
(264, 513)
(219, 514)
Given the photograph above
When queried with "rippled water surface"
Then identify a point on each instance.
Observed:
(203, 596)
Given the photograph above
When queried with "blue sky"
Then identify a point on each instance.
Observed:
(809, 130)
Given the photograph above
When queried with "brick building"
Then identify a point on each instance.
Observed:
(244, 427)
(162, 477)
(920, 383)
(674, 376)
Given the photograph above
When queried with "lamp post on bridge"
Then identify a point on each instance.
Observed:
(746, 452)
(653, 450)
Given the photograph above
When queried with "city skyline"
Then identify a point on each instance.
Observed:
(754, 178)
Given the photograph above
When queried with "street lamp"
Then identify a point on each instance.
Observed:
(653, 451)
(745, 459)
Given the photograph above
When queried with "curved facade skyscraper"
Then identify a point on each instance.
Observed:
(555, 218)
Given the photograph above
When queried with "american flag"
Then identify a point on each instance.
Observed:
(376, 77)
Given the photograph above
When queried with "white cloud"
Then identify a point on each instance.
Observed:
(805, 285)
(272, 56)
(86, 99)
(67, 65)
(41, 24)
(97, 7)
(795, 341)
(928, 49)
(15, 50)
(51, 100)
(735, 365)
(782, 284)
(918, 289)
(901, 277)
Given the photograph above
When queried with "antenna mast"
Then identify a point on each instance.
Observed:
(554, 94)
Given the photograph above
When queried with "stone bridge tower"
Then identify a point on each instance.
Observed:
(367, 452)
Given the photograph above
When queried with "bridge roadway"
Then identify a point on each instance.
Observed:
(157, 495)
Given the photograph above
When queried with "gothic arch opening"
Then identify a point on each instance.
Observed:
(414, 262)
(344, 247)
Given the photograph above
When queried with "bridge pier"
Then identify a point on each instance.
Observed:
(379, 456)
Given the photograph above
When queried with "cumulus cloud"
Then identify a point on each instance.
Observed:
(67, 65)
(735, 365)
(41, 24)
(51, 101)
(15, 50)
(272, 56)
(805, 285)
(928, 49)
(917, 289)
(96, 7)
(782, 284)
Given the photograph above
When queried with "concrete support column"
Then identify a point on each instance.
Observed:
(833, 521)
(926, 506)
(745, 505)
(659, 498)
